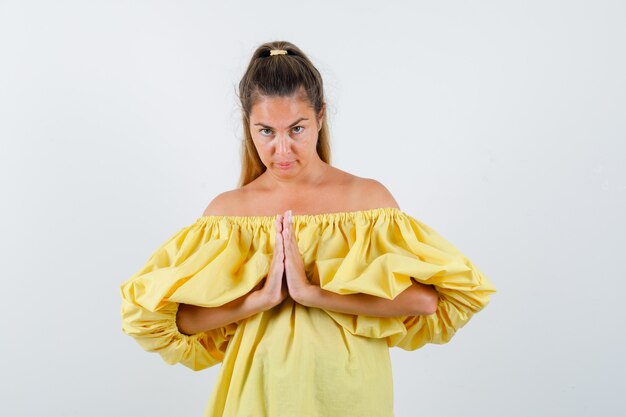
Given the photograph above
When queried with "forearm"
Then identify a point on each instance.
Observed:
(418, 299)
(193, 319)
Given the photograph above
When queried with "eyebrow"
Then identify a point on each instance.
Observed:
(291, 125)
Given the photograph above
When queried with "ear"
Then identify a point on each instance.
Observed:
(321, 115)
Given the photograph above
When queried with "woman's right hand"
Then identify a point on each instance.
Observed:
(274, 289)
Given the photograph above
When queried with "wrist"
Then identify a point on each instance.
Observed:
(259, 301)
(307, 295)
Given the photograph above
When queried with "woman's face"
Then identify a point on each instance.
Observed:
(285, 132)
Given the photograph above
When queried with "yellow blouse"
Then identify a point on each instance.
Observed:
(295, 360)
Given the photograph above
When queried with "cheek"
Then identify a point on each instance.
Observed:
(309, 144)
(264, 151)
(263, 146)
(305, 142)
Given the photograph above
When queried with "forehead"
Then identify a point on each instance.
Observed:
(280, 108)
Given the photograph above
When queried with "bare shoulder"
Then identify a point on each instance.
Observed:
(374, 193)
(222, 203)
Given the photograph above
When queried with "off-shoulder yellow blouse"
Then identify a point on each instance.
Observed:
(294, 360)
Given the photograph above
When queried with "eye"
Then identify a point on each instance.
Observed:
(300, 128)
(261, 130)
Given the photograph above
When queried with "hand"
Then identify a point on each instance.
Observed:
(274, 290)
(297, 281)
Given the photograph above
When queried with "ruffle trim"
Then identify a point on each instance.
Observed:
(217, 259)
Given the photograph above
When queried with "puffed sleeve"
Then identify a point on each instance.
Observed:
(381, 256)
(462, 287)
(208, 263)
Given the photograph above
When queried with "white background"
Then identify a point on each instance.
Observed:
(501, 124)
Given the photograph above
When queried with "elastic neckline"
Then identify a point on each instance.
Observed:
(317, 217)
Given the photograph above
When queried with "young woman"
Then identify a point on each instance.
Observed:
(300, 280)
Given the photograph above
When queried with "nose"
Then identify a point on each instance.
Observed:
(283, 143)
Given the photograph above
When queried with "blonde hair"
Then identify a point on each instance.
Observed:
(279, 75)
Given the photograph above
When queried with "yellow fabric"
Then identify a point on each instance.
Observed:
(293, 360)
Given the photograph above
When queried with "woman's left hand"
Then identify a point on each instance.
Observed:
(297, 282)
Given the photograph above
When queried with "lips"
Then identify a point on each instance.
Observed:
(284, 164)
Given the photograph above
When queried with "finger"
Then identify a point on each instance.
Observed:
(289, 222)
(277, 226)
(284, 221)
(289, 236)
(285, 225)
(287, 218)
(287, 243)
(290, 231)
(278, 247)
